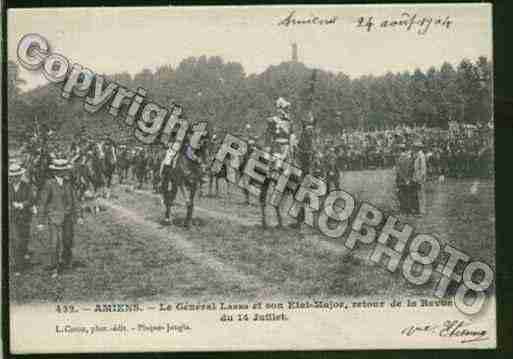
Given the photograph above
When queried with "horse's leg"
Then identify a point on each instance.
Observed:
(228, 188)
(278, 216)
(166, 195)
(95, 196)
(300, 217)
(167, 205)
(141, 179)
(109, 183)
(262, 198)
(111, 176)
(271, 187)
(107, 177)
(154, 183)
(200, 187)
(190, 205)
(246, 195)
(183, 192)
(169, 198)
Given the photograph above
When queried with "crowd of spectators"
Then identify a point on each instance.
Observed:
(461, 151)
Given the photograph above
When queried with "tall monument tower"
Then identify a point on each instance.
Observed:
(294, 52)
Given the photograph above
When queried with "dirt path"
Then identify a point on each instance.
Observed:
(251, 221)
(224, 271)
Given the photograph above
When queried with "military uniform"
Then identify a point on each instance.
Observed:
(279, 132)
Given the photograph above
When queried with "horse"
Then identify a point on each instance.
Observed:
(141, 167)
(214, 177)
(157, 156)
(213, 182)
(109, 162)
(185, 171)
(302, 158)
(123, 164)
(93, 168)
(270, 147)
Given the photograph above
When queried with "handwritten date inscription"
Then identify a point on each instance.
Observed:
(406, 22)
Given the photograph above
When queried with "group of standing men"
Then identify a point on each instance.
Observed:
(55, 206)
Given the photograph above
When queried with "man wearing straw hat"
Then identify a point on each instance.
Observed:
(60, 209)
(21, 201)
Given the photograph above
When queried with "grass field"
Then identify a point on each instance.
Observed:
(125, 253)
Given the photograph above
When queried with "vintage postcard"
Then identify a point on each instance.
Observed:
(250, 178)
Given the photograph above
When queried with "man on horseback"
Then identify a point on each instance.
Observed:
(110, 161)
(278, 145)
(123, 163)
(279, 128)
(305, 150)
(165, 173)
(141, 167)
(213, 178)
(184, 170)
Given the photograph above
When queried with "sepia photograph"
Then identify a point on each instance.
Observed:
(250, 178)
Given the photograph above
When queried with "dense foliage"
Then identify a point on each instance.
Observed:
(221, 93)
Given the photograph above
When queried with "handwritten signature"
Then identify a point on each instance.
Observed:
(459, 329)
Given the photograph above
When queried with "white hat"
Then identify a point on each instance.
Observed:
(59, 164)
(16, 170)
(282, 103)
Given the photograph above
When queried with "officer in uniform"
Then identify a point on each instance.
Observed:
(281, 127)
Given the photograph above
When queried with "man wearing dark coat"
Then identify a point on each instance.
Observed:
(21, 201)
(59, 208)
(404, 179)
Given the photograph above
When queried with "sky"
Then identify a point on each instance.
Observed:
(114, 40)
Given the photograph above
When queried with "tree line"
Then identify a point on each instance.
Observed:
(220, 92)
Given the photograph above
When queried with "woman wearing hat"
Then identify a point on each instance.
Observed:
(21, 201)
(59, 209)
